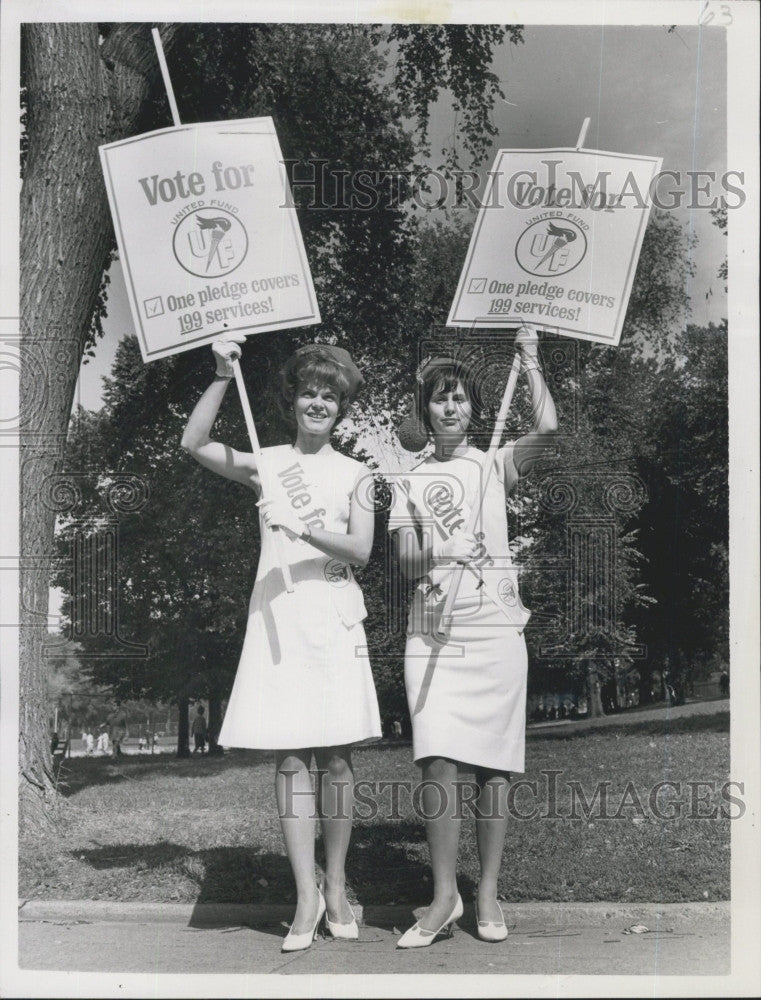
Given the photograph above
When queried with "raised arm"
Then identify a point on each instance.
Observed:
(528, 449)
(220, 458)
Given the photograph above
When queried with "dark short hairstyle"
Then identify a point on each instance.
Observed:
(315, 368)
(446, 377)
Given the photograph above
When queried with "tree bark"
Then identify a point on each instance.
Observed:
(215, 723)
(645, 683)
(594, 699)
(80, 94)
(183, 727)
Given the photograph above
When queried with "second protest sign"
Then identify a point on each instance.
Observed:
(556, 242)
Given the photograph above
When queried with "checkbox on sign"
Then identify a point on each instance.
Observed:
(153, 307)
(476, 286)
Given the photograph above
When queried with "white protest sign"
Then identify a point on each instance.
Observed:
(556, 242)
(207, 234)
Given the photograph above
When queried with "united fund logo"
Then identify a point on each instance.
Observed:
(210, 242)
(550, 247)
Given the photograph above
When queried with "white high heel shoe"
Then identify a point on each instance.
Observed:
(419, 937)
(348, 931)
(491, 930)
(298, 942)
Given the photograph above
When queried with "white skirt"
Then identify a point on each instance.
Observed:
(467, 696)
(299, 686)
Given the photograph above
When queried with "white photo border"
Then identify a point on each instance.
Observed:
(741, 22)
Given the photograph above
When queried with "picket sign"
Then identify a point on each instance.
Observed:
(445, 621)
(556, 241)
(244, 401)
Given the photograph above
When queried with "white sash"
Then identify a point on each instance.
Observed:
(310, 504)
(497, 578)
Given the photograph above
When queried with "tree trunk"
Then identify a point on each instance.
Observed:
(594, 699)
(80, 94)
(183, 727)
(645, 683)
(215, 723)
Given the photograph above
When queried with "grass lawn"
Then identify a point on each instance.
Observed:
(206, 830)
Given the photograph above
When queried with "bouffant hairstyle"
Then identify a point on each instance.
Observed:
(319, 370)
(444, 376)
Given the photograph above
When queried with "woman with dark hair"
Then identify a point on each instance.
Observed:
(465, 680)
(303, 686)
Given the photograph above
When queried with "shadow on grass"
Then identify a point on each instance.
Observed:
(387, 866)
(717, 722)
(132, 856)
(381, 871)
(77, 773)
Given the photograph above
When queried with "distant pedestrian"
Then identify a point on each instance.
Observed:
(103, 740)
(89, 743)
(142, 743)
(199, 730)
(724, 684)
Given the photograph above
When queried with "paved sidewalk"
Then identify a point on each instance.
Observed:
(545, 939)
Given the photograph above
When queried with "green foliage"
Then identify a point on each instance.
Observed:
(70, 688)
(654, 408)
(659, 300)
(432, 58)
(720, 218)
(185, 561)
(685, 527)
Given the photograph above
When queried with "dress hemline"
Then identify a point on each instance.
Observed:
(358, 742)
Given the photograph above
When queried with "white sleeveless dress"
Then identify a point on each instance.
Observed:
(466, 694)
(304, 677)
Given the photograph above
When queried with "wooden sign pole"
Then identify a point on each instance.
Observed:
(475, 514)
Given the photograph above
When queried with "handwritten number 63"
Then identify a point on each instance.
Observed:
(707, 15)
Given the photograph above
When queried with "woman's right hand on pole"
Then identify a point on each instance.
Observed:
(462, 547)
(226, 350)
(527, 342)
